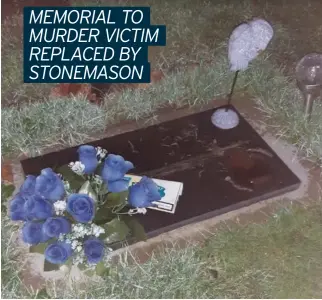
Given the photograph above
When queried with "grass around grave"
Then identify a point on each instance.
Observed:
(12, 286)
(277, 259)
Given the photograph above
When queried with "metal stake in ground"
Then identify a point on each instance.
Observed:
(245, 43)
(232, 90)
(226, 118)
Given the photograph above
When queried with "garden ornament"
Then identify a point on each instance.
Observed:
(309, 80)
(245, 43)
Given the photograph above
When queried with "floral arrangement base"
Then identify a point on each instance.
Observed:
(74, 214)
(221, 170)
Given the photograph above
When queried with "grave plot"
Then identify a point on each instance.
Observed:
(221, 170)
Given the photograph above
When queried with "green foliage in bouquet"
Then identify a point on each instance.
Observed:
(74, 214)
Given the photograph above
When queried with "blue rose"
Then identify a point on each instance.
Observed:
(81, 207)
(115, 168)
(28, 187)
(88, 157)
(94, 250)
(143, 193)
(58, 252)
(16, 208)
(33, 234)
(54, 226)
(118, 186)
(49, 185)
(37, 208)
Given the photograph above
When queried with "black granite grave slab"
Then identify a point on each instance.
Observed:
(221, 170)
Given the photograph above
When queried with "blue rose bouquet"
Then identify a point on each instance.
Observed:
(75, 214)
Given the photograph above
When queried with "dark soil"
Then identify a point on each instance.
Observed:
(10, 8)
(303, 21)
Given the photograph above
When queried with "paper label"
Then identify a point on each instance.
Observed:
(170, 191)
